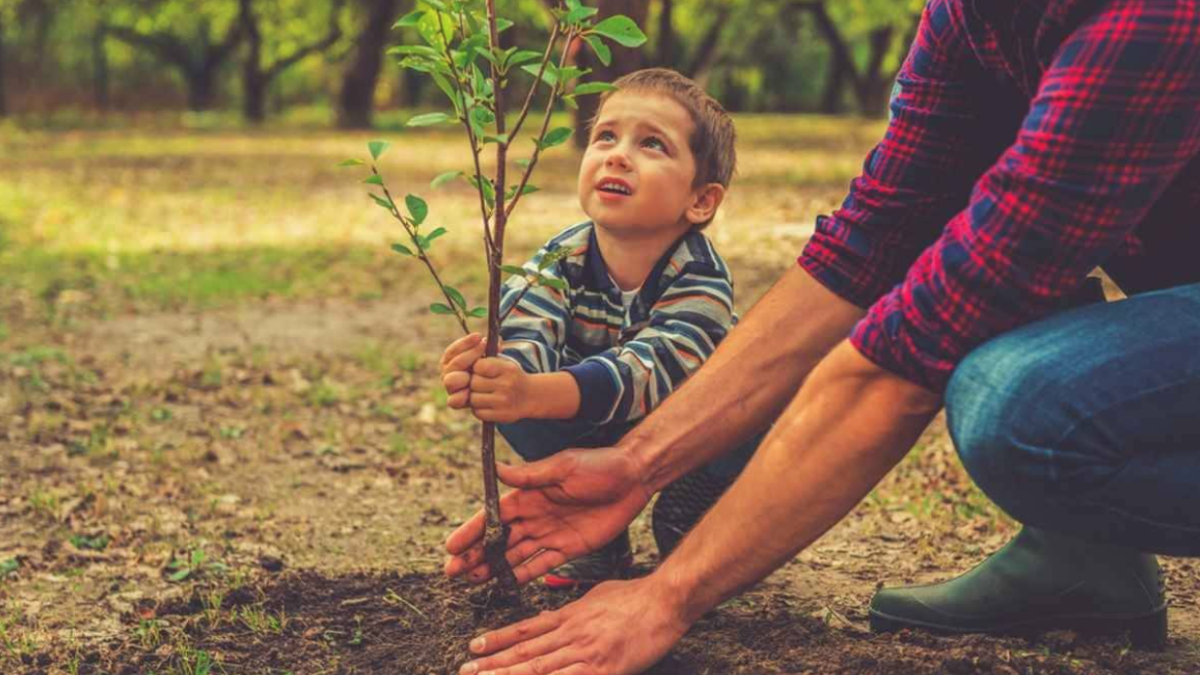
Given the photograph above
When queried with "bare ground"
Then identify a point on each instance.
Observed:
(296, 447)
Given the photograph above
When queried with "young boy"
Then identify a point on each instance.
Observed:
(647, 301)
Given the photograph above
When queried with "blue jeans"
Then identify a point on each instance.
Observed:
(535, 439)
(1088, 423)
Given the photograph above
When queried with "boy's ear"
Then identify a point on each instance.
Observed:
(705, 201)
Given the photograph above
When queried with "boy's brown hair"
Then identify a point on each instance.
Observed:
(713, 139)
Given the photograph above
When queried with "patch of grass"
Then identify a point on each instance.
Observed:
(261, 622)
(325, 394)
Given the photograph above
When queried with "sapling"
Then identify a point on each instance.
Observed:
(462, 39)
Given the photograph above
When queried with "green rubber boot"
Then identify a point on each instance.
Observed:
(1039, 581)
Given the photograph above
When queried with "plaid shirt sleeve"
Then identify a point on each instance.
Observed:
(1116, 117)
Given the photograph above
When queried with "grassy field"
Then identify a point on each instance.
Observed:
(212, 366)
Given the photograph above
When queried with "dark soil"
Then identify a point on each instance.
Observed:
(419, 624)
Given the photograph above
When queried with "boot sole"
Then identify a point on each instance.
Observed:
(1146, 631)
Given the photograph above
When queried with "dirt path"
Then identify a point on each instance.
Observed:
(279, 451)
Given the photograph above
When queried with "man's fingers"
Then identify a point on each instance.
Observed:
(536, 656)
(459, 346)
(535, 474)
(499, 640)
(467, 534)
(538, 566)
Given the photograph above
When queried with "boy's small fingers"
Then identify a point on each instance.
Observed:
(460, 345)
(456, 380)
(459, 400)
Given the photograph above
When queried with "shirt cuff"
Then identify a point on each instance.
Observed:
(597, 391)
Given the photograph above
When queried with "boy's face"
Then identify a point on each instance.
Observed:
(636, 175)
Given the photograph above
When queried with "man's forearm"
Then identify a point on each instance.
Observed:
(744, 385)
(850, 424)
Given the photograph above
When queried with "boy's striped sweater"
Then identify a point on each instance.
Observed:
(625, 363)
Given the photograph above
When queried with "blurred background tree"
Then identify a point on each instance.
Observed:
(262, 57)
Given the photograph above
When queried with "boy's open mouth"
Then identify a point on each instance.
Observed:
(614, 186)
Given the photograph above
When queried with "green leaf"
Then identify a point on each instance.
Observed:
(437, 4)
(428, 119)
(548, 75)
(409, 20)
(445, 178)
(571, 72)
(181, 574)
(602, 51)
(523, 163)
(592, 88)
(377, 148)
(417, 208)
(482, 116)
(383, 202)
(576, 16)
(503, 24)
(513, 269)
(528, 189)
(523, 56)
(493, 138)
(553, 283)
(569, 99)
(456, 296)
(9, 566)
(434, 235)
(351, 162)
(403, 250)
(552, 257)
(556, 137)
(451, 94)
(374, 179)
(489, 190)
(573, 5)
(621, 30)
(478, 312)
(418, 50)
(439, 308)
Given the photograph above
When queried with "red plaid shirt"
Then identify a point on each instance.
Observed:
(1031, 141)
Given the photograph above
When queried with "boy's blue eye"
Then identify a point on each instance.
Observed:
(604, 135)
(654, 140)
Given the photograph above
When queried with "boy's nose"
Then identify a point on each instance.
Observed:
(617, 158)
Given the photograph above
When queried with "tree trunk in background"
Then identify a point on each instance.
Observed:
(706, 51)
(624, 60)
(254, 81)
(665, 57)
(3, 102)
(873, 87)
(841, 63)
(99, 69)
(255, 77)
(199, 74)
(358, 83)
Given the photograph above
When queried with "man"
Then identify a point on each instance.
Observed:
(1031, 141)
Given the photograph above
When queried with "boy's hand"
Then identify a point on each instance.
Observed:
(456, 368)
(500, 391)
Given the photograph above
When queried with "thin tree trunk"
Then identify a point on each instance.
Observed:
(873, 87)
(706, 51)
(3, 102)
(665, 57)
(254, 85)
(358, 83)
(199, 74)
(624, 60)
(841, 66)
(100, 70)
(256, 77)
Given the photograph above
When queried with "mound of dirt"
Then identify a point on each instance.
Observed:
(419, 624)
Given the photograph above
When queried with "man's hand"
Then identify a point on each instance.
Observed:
(456, 365)
(564, 506)
(619, 628)
(500, 391)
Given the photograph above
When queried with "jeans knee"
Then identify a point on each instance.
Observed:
(996, 423)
